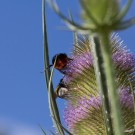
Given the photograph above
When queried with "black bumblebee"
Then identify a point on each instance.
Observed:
(61, 61)
(61, 90)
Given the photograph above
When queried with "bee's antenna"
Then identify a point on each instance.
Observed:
(46, 68)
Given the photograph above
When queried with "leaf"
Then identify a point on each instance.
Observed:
(53, 105)
(72, 26)
(42, 130)
(48, 75)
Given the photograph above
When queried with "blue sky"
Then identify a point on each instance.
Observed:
(23, 94)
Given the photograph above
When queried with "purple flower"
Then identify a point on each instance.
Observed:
(83, 114)
(77, 65)
(90, 111)
(80, 72)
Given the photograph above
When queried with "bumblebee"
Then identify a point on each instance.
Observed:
(61, 61)
(61, 90)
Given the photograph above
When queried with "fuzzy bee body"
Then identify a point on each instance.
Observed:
(60, 62)
(61, 90)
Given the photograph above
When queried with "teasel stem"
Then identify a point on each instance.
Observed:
(132, 91)
(48, 76)
(53, 106)
(101, 83)
(110, 80)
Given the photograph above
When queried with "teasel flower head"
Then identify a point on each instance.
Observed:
(83, 114)
(86, 117)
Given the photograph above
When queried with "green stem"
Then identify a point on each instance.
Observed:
(100, 77)
(111, 84)
(53, 107)
(53, 104)
(132, 92)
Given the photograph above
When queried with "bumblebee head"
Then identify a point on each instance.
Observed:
(61, 60)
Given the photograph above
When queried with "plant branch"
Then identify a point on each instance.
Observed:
(111, 84)
(101, 83)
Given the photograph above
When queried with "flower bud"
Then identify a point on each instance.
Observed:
(99, 11)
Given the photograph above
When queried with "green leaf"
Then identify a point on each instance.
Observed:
(123, 12)
(42, 130)
(48, 75)
(53, 105)
(126, 24)
(72, 26)
(74, 33)
(45, 45)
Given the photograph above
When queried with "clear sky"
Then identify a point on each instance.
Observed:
(23, 94)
